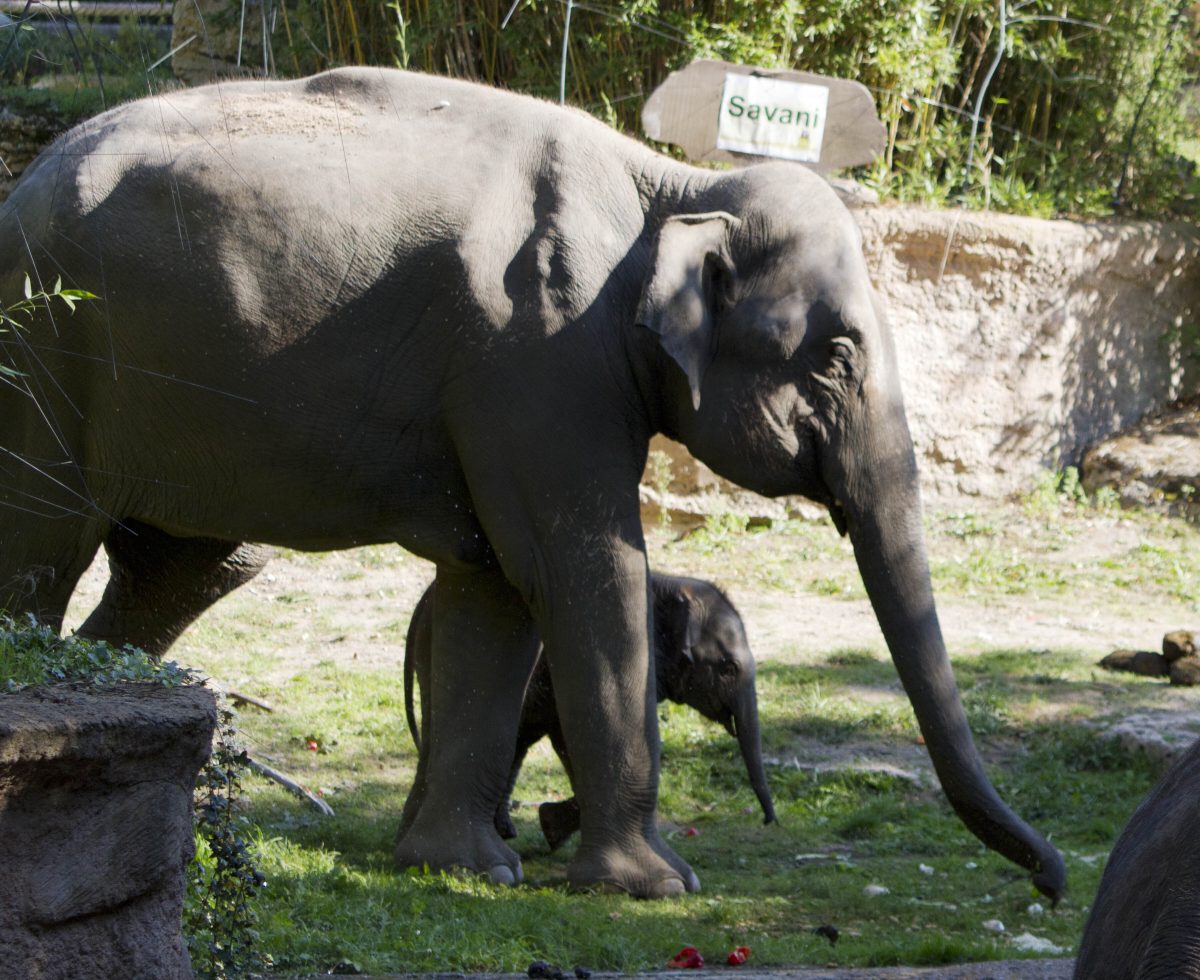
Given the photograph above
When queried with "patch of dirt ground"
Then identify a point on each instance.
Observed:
(352, 606)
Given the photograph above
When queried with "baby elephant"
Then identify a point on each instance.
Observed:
(1145, 921)
(702, 659)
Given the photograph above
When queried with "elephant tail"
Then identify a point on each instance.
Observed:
(410, 712)
(416, 646)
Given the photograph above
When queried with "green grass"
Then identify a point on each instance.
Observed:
(1018, 551)
(334, 897)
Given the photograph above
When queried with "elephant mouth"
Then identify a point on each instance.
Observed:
(838, 514)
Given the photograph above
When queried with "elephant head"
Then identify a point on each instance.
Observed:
(704, 661)
(778, 372)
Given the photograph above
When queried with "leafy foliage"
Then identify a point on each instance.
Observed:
(220, 915)
(219, 912)
(32, 655)
(1075, 108)
(16, 315)
(1082, 105)
(74, 49)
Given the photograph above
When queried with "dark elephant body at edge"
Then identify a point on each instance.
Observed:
(372, 306)
(1145, 921)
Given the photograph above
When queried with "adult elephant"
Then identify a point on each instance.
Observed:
(372, 306)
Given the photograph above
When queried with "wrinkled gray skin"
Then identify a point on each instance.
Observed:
(1145, 921)
(701, 659)
(379, 307)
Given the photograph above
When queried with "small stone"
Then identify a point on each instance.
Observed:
(1147, 663)
(541, 970)
(925, 869)
(1179, 644)
(993, 925)
(1186, 672)
(874, 891)
(1029, 943)
(1035, 909)
(971, 865)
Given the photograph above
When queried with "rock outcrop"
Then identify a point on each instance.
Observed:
(96, 828)
(1154, 463)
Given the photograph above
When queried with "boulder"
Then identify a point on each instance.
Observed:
(96, 828)
(1153, 464)
(1179, 644)
(1186, 672)
(1144, 662)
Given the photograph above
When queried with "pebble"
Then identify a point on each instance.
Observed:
(873, 891)
(1029, 943)
(925, 869)
(993, 925)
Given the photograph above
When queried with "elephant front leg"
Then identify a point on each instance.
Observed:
(484, 645)
(597, 636)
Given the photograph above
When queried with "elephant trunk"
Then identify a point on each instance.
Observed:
(882, 512)
(746, 719)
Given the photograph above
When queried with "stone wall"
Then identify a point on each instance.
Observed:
(22, 137)
(1023, 341)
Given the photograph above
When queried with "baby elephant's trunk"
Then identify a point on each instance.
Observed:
(746, 719)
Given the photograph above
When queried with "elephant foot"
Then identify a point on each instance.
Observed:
(558, 821)
(641, 872)
(459, 847)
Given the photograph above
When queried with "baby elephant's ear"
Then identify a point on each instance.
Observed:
(692, 617)
(678, 296)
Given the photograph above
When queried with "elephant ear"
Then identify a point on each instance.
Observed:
(691, 623)
(677, 298)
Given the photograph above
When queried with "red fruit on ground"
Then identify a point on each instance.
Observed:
(688, 958)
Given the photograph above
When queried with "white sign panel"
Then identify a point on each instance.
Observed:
(772, 117)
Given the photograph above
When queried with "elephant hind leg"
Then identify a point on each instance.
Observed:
(41, 561)
(158, 583)
(483, 648)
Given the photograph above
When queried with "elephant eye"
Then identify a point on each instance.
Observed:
(842, 347)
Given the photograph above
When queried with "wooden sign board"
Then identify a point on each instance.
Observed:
(715, 110)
